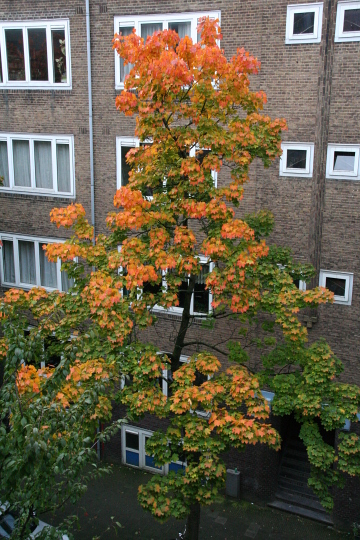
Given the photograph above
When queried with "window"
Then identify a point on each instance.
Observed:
(185, 24)
(303, 23)
(343, 162)
(35, 54)
(24, 264)
(340, 283)
(300, 284)
(297, 160)
(347, 22)
(38, 164)
(133, 449)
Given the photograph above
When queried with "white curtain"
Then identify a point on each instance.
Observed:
(182, 28)
(4, 165)
(27, 262)
(63, 167)
(48, 277)
(43, 165)
(21, 155)
(147, 29)
(66, 282)
(8, 261)
(125, 70)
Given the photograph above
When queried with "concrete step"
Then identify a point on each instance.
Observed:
(296, 473)
(300, 511)
(296, 454)
(296, 487)
(299, 500)
(292, 462)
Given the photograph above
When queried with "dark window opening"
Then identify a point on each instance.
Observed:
(351, 20)
(1, 73)
(344, 161)
(297, 283)
(152, 288)
(51, 344)
(132, 440)
(296, 159)
(182, 292)
(59, 56)
(200, 378)
(304, 23)
(125, 167)
(201, 294)
(336, 285)
(15, 55)
(38, 54)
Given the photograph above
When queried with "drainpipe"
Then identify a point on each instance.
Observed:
(92, 184)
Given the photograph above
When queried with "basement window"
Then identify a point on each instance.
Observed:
(303, 23)
(297, 160)
(347, 22)
(340, 283)
(343, 162)
(35, 54)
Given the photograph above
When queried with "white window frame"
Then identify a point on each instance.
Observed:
(340, 35)
(49, 25)
(299, 173)
(342, 175)
(9, 138)
(37, 245)
(165, 19)
(142, 434)
(315, 37)
(346, 299)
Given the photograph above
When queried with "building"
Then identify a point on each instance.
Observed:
(52, 152)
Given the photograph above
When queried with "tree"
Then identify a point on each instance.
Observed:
(195, 114)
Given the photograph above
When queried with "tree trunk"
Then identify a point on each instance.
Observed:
(193, 522)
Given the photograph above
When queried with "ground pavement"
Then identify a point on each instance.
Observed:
(113, 498)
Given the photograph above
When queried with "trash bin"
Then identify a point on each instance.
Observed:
(233, 483)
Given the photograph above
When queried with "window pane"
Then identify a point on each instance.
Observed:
(147, 29)
(48, 277)
(181, 28)
(352, 20)
(132, 458)
(4, 165)
(296, 159)
(201, 295)
(125, 167)
(63, 167)
(132, 440)
(59, 55)
(15, 55)
(8, 261)
(38, 54)
(152, 288)
(27, 262)
(1, 74)
(66, 282)
(336, 285)
(181, 293)
(344, 161)
(21, 155)
(125, 70)
(43, 165)
(304, 23)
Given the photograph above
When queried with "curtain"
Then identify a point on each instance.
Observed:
(63, 167)
(4, 165)
(48, 277)
(125, 70)
(27, 262)
(66, 282)
(43, 165)
(21, 155)
(182, 28)
(8, 261)
(147, 29)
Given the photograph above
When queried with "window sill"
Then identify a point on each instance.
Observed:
(32, 86)
(36, 193)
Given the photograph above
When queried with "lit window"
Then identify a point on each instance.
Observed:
(347, 22)
(343, 162)
(35, 54)
(297, 160)
(24, 264)
(340, 283)
(184, 24)
(38, 164)
(303, 23)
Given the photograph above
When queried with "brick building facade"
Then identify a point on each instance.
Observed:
(310, 59)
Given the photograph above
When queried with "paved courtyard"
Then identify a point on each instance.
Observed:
(113, 498)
